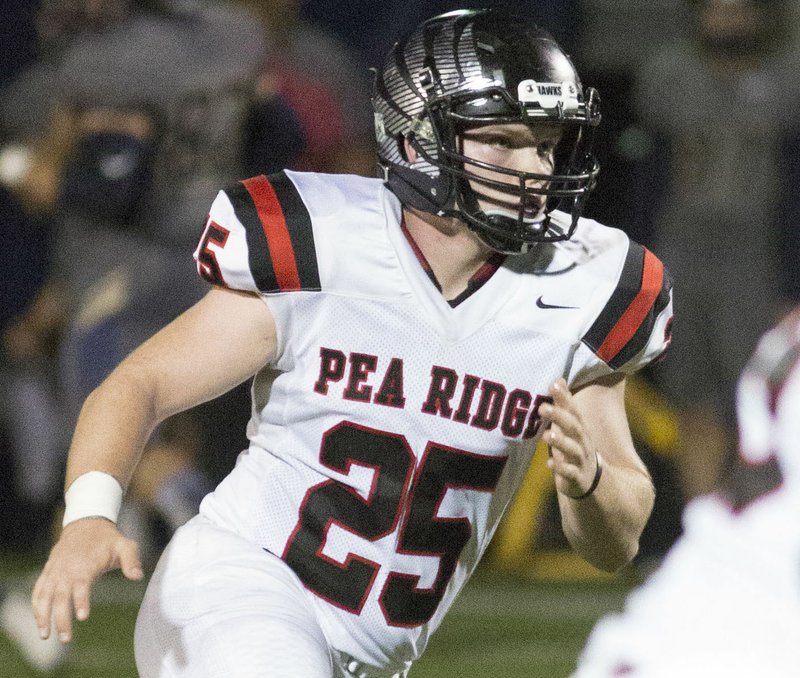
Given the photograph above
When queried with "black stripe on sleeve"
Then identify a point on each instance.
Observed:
(257, 248)
(301, 232)
(628, 286)
(639, 340)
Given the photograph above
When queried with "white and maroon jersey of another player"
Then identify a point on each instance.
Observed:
(725, 600)
(751, 519)
(392, 428)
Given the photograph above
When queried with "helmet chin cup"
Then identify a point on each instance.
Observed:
(495, 229)
(510, 233)
(506, 219)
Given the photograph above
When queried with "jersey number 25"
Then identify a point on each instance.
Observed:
(397, 494)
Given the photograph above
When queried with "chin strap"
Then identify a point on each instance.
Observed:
(415, 189)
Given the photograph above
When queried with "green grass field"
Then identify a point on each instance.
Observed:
(500, 626)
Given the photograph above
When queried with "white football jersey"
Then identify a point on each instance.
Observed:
(726, 600)
(749, 517)
(393, 428)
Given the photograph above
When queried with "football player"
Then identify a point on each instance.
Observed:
(410, 339)
(725, 600)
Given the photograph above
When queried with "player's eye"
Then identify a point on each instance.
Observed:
(497, 141)
(492, 139)
(546, 147)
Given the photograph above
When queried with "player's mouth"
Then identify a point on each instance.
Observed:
(533, 212)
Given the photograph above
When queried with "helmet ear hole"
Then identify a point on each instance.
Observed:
(401, 146)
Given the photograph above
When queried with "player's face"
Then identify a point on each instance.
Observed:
(517, 147)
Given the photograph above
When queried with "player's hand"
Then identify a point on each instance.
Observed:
(572, 458)
(87, 548)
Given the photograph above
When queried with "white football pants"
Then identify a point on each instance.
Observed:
(220, 606)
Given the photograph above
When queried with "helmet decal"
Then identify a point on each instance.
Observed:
(550, 96)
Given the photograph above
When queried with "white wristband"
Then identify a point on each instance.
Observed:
(92, 495)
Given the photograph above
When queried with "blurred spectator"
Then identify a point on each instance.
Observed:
(145, 102)
(317, 73)
(17, 37)
(617, 37)
(372, 32)
(715, 110)
(25, 259)
(325, 87)
(27, 410)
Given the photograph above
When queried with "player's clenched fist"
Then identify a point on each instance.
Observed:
(572, 458)
(87, 548)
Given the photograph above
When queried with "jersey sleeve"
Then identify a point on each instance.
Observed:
(775, 367)
(259, 238)
(634, 326)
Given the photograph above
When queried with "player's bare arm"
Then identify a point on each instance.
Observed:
(590, 427)
(225, 338)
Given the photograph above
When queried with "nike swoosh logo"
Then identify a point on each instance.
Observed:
(542, 304)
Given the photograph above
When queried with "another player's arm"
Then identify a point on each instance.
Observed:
(605, 526)
(218, 343)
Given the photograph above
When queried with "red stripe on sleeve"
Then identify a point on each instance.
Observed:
(634, 315)
(276, 232)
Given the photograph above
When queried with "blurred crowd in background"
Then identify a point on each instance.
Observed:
(120, 119)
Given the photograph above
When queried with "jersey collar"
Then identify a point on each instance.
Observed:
(478, 279)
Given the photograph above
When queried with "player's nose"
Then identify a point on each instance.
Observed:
(530, 161)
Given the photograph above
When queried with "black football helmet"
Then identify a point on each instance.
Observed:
(469, 68)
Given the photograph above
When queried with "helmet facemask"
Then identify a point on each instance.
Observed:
(517, 214)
